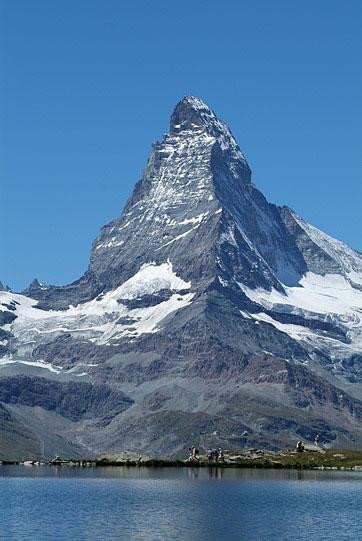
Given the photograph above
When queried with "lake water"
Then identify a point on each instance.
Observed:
(50, 503)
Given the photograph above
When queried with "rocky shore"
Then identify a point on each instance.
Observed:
(317, 458)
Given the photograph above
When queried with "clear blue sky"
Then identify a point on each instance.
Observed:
(87, 86)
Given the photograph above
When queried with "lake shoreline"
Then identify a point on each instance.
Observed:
(309, 460)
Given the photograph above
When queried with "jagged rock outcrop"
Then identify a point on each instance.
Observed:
(4, 288)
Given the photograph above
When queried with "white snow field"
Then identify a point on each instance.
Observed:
(330, 298)
(103, 320)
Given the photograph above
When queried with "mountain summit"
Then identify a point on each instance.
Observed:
(205, 312)
(192, 113)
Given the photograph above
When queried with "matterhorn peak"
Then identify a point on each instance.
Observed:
(202, 301)
(193, 118)
(191, 113)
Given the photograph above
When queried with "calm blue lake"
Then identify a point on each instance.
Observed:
(178, 504)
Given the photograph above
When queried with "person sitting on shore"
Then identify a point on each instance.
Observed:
(317, 439)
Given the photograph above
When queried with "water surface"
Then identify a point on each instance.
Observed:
(185, 504)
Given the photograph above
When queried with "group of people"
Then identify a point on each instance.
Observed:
(213, 455)
(300, 444)
(217, 455)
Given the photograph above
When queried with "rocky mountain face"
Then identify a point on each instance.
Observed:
(207, 315)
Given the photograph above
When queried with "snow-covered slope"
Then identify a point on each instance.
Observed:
(322, 253)
(349, 260)
(328, 299)
(103, 320)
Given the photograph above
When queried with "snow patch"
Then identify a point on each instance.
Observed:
(196, 220)
(329, 298)
(320, 294)
(38, 364)
(151, 278)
